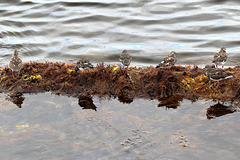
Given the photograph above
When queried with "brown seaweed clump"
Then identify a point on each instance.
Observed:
(115, 81)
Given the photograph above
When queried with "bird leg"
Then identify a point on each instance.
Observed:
(13, 75)
(18, 74)
(217, 83)
(170, 69)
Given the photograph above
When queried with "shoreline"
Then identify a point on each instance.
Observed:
(189, 82)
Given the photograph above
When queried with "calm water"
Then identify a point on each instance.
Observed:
(56, 127)
(69, 29)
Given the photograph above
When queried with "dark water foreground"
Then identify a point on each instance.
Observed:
(57, 127)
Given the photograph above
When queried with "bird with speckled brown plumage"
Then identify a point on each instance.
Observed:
(15, 63)
(125, 58)
(217, 74)
(168, 61)
(83, 64)
(220, 58)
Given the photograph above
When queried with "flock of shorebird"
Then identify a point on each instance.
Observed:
(212, 71)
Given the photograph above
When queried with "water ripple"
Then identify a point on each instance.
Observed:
(63, 30)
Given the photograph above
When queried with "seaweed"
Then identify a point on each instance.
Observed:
(127, 84)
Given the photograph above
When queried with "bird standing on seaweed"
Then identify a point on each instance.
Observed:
(217, 74)
(83, 63)
(168, 61)
(15, 63)
(125, 58)
(220, 58)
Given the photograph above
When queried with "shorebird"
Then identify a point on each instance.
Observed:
(15, 63)
(220, 58)
(217, 74)
(83, 63)
(125, 58)
(168, 61)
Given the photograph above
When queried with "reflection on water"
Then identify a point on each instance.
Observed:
(125, 98)
(43, 126)
(16, 98)
(213, 111)
(86, 102)
(56, 126)
(171, 102)
(100, 30)
(218, 110)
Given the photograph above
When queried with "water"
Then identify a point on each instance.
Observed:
(56, 127)
(63, 30)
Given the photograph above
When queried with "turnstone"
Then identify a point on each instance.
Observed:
(15, 63)
(168, 61)
(220, 58)
(217, 74)
(83, 63)
(125, 58)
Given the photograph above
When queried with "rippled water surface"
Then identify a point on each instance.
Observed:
(149, 30)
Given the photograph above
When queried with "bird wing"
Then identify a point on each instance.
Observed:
(125, 56)
(216, 55)
(224, 56)
(169, 60)
(217, 58)
(18, 60)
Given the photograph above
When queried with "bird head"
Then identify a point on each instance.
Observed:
(223, 50)
(209, 67)
(124, 51)
(172, 54)
(16, 52)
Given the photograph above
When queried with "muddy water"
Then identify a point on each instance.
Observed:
(56, 127)
(100, 30)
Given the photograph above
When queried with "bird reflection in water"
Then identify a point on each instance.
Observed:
(125, 99)
(170, 102)
(16, 98)
(86, 102)
(219, 109)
